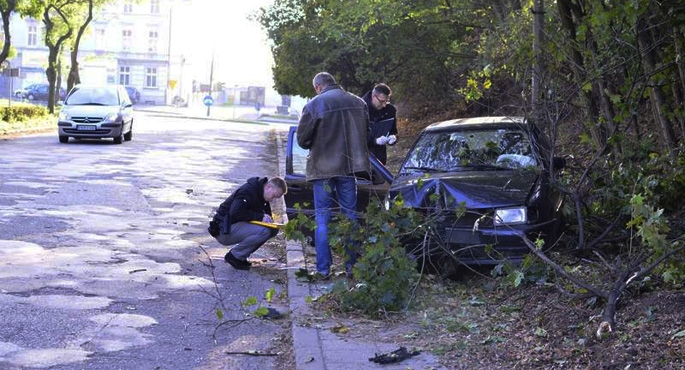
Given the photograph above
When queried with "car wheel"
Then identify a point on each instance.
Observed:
(64, 139)
(119, 139)
(30, 97)
(129, 135)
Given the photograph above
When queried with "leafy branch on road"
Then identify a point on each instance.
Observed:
(260, 312)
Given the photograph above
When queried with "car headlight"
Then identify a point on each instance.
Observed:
(112, 117)
(63, 115)
(516, 215)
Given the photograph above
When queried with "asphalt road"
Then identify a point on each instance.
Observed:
(104, 258)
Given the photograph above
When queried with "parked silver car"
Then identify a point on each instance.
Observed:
(95, 112)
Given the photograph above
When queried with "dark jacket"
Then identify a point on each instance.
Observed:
(245, 204)
(335, 128)
(388, 115)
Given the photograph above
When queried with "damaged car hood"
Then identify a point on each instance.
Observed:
(477, 189)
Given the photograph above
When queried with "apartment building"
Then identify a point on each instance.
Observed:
(127, 42)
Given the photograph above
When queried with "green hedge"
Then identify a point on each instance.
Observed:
(22, 113)
(24, 117)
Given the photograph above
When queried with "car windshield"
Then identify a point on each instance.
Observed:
(93, 96)
(475, 149)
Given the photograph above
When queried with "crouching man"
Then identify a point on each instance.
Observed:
(231, 222)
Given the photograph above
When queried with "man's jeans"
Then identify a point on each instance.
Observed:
(247, 238)
(325, 192)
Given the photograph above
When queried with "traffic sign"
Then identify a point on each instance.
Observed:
(208, 100)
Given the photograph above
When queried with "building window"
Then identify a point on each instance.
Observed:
(125, 75)
(126, 39)
(111, 76)
(33, 35)
(154, 6)
(100, 39)
(128, 6)
(151, 77)
(152, 41)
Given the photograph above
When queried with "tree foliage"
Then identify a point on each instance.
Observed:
(31, 8)
(611, 92)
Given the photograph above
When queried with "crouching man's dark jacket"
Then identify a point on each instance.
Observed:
(245, 204)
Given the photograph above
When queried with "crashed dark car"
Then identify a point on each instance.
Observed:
(485, 183)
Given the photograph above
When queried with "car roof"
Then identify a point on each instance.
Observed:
(476, 121)
(96, 85)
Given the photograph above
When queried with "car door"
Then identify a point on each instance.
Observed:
(301, 192)
(41, 92)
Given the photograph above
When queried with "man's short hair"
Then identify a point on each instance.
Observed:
(382, 89)
(324, 79)
(279, 183)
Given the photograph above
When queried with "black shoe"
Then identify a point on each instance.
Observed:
(236, 263)
(317, 276)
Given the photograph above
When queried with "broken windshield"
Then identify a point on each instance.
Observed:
(481, 149)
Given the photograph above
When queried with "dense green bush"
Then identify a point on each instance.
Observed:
(22, 113)
(23, 117)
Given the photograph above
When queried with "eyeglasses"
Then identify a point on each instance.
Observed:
(386, 101)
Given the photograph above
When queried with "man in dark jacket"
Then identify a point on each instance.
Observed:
(383, 121)
(231, 222)
(335, 128)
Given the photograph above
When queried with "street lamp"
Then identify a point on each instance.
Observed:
(211, 80)
(168, 55)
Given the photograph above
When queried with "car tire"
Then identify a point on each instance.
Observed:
(30, 97)
(119, 139)
(129, 135)
(64, 139)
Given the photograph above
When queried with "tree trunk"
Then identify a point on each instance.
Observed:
(538, 41)
(567, 12)
(646, 43)
(6, 13)
(679, 86)
(53, 51)
(58, 82)
(74, 77)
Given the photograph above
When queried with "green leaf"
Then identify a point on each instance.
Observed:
(270, 293)
(250, 301)
(219, 314)
(261, 312)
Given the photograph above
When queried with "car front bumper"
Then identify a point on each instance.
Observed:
(99, 130)
(488, 246)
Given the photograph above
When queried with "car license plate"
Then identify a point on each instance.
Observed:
(85, 127)
(463, 236)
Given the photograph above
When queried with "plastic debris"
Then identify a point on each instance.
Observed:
(397, 355)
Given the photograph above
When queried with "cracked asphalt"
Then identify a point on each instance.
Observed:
(104, 258)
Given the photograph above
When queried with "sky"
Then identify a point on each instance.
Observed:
(241, 53)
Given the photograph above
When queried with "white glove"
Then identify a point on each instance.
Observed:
(382, 140)
(392, 139)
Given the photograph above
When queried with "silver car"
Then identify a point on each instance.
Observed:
(96, 111)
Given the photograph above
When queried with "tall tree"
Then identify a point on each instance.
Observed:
(58, 29)
(74, 77)
(22, 7)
